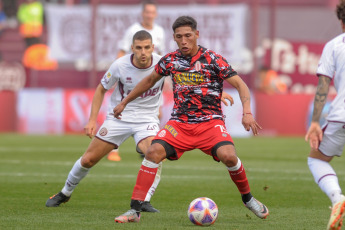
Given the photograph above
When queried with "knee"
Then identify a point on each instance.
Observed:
(87, 162)
(155, 154)
(229, 160)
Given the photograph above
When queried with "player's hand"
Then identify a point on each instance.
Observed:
(314, 135)
(118, 110)
(225, 97)
(249, 122)
(90, 129)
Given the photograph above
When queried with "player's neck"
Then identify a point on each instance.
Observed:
(148, 26)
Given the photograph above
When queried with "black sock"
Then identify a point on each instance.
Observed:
(246, 197)
(136, 204)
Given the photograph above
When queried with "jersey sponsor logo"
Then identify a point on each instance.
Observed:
(187, 78)
(197, 66)
(149, 92)
(171, 130)
(103, 131)
(162, 133)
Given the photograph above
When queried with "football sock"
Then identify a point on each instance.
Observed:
(238, 176)
(326, 178)
(246, 197)
(155, 183)
(136, 204)
(145, 180)
(76, 174)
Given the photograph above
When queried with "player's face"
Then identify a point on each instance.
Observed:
(149, 14)
(142, 51)
(186, 39)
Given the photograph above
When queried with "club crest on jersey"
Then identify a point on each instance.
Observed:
(103, 131)
(171, 130)
(128, 80)
(197, 66)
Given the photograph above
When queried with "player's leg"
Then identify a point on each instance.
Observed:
(96, 151)
(324, 175)
(146, 176)
(227, 155)
(214, 140)
(143, 146)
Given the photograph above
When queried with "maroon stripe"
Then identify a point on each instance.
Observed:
(325, 176)
(122, 91)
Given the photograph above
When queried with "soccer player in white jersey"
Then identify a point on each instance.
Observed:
(141, 120)
(149, 14)
(329, 141)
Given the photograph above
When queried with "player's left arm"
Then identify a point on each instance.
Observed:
(248, 120)
(314, 134)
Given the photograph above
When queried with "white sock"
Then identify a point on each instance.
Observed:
(76, 174)
(236, 167)
(157, 178)
(326, 178)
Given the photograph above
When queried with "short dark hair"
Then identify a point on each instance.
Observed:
(141, 35)
(185, 21)
(148, 2)
(340, 11)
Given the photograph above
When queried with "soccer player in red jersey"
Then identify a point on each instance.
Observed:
(196, 121)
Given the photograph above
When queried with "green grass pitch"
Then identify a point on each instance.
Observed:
(32, 168)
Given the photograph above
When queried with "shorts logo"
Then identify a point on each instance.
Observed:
(162, 133)
(171, 130)
(103, 131)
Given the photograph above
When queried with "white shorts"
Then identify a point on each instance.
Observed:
(333, 139)
(117, 131)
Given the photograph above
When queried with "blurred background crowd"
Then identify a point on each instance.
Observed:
(54, 52)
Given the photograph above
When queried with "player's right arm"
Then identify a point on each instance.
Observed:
(314, 134)
(91, 127)
(138, 90)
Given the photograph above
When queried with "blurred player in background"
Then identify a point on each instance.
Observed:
(141, 120)
(196, 121)
(329, 141)
(149, 14)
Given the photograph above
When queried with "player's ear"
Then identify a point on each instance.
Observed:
(197, 33)
(153, 46)
(132, 48)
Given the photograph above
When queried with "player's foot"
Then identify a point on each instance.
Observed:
(114, 156)
(129, 216)
(259, 209)
(147, 207)
(338, 212)
(57, 199)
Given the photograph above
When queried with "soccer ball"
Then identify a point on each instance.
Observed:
(202, 211)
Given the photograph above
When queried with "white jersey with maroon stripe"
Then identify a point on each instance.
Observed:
(332, 65)
(126, 76)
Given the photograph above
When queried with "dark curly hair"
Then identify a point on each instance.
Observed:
(340, 11)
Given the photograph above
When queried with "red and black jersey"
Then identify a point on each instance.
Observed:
(197, 84)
